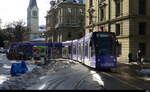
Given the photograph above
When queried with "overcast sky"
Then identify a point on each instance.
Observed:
(13, 10)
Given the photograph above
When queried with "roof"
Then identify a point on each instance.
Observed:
(32, 3)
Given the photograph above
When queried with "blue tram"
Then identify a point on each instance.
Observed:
(97, 50)
(27, 50)
(17, 49)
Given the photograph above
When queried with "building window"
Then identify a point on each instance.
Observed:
(101, 14)
(118, 7)
(142, 47)
(90, 30)
(91, 3)
(90, 18)
(119, 50)
(142, 7)
(69, 35)
(34, 13)
(142, 28)
(118, 29)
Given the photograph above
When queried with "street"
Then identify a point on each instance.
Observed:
(62, 74)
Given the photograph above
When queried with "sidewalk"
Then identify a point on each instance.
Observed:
(134, 70)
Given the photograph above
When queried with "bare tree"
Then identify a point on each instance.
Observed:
(16, 31)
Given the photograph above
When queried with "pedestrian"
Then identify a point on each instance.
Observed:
(130, 57)
(139, 57)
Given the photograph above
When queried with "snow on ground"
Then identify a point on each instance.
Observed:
(8, 82)
(23, 81)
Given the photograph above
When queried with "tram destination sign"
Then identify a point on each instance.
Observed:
(102, 35)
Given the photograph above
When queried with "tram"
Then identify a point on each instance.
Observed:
(96, 50)
(18, 50)
(29, 50)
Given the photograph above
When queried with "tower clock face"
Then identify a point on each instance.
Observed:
(34, 13)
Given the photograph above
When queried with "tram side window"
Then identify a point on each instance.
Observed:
(70, 50)
(80, 50)
(86, 50)
(92, 48)
(74, 50)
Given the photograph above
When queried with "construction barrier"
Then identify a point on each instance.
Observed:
(18, 68)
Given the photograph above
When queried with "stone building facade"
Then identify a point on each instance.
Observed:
(0, 23)
(129, 19)
(65, 21)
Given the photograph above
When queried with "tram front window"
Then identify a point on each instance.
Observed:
(104, 46)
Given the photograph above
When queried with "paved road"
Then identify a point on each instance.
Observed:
(78, 77)
(65, 74)
(73, 77)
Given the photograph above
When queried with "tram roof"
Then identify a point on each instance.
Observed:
(67, 43)
(38, 44)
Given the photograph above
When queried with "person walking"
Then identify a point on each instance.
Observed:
(130, 57)
(139, 57)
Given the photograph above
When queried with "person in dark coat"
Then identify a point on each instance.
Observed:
(130, 57)
(139, 56)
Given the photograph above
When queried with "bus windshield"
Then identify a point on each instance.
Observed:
(105, 44)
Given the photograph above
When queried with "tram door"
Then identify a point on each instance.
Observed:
(92, 57)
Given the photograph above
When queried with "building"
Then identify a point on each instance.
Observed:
(129, 19)
(65, 20)
(33, 19)
(0, 23)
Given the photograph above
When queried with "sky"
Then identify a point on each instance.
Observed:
(14, 10)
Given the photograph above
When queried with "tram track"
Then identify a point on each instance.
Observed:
(114, 77)
(57, 82)
(121, 80)
(78, 84)
(77, 77)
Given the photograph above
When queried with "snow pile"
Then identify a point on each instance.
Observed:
(23, 81)
(33, 75)
(3, 78)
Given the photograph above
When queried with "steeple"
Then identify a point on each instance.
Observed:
(32, 3)
(33, 19)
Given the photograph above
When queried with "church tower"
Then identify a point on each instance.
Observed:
(33, 19)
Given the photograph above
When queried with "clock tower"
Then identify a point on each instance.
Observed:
(33, 19)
